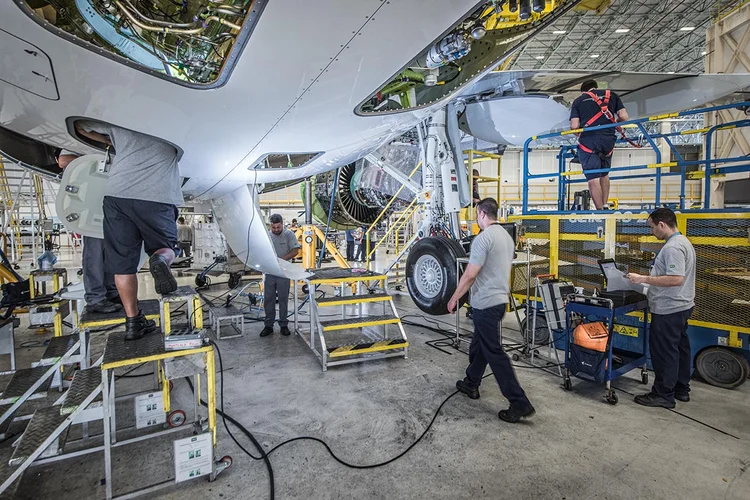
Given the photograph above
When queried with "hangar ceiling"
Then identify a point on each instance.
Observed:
(628, 35)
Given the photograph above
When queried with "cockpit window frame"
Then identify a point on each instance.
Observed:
(248, 27)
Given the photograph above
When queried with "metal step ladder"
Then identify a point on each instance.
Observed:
(33, 383)
(352, 337)
(48, 428)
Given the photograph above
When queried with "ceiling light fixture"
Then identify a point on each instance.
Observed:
(594, 56)
(687, 28)
(539, 57)
(704, 53)
(622, 30)
(559, 32)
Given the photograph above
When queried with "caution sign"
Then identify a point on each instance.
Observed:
(628, 331)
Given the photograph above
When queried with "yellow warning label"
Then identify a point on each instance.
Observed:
(628, 331)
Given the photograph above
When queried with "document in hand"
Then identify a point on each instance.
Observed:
(616, 279)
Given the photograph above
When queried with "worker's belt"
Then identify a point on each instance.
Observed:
(601, 154)
(604, 111)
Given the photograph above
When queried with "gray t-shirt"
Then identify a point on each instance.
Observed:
(184, 233)
(283, 243)
(676, 258)
(493, 250)
(143, 167)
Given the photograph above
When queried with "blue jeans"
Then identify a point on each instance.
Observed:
(485, 349)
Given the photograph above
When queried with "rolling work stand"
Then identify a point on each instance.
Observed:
(606, 366)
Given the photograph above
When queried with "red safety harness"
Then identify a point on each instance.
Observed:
(603, 111)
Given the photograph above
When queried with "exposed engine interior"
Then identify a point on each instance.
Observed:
(486, 37)
(363, 189)
(188, 40)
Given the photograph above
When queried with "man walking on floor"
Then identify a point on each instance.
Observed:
(671, 298)
(277, 287)
(184, 236)
(138, 212)
(592, 108)
(488, 276)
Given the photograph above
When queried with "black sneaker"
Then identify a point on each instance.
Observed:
(137, 327)
(265, 332)
(651, 399)
(103, 307)
(285, 331)
(514, 414)
(164, 282)
(464, 387)
(682, 397)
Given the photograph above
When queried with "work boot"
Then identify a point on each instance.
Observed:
(164, 282)
(285, 331)
(463, 386)
(654, 400)
(684, 397)
(266, 331)
(115, 300)
(137, 327)
(516, 412)
(103, 307)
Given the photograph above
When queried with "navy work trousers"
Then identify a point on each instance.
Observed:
(486, 349)
(670, 353)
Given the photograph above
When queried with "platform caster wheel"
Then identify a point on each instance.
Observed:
(567, 384)
(234, 280)
(226, 461)
(200, 281)
(515, 357)
(644, 378)
(612, 398)
(305, 289)
(176, 418)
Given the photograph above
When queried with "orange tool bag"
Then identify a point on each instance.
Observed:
(593, 336)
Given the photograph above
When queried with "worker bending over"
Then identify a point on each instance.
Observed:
(488, 276)
(671, 298)
(140, 209)
(100, 292)
(592, 108)
(277, 287)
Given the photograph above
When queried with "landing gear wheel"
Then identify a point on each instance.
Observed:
(612, 397)
(541, 336)
(176, 418)
(722, 367)
(431, 276)
(567, 385)
(234, 280)
(644, 378)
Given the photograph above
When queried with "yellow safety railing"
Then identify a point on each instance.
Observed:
(396, 226)
(383, 212)
(11, 216)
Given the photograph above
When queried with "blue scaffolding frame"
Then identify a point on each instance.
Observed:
(711, 166)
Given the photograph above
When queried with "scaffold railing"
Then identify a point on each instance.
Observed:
(710, 167)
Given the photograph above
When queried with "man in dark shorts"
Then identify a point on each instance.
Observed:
(592, 108)
(140, 209)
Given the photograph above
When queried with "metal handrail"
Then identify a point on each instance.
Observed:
(397, 224)
(708, 163)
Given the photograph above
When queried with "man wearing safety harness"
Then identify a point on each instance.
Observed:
(592, 108)
(671, 298)
(488, 276)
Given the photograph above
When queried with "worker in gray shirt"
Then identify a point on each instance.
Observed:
(140, 209)
(184, 236)
(277, 287)
(488, 276)
(671, 299)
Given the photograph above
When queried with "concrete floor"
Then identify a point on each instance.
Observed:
(577, 445)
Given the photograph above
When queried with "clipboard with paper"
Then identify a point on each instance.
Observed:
(617, 280)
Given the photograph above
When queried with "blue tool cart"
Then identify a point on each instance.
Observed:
(614, 362)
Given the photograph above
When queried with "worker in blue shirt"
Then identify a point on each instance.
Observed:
(592, 108)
